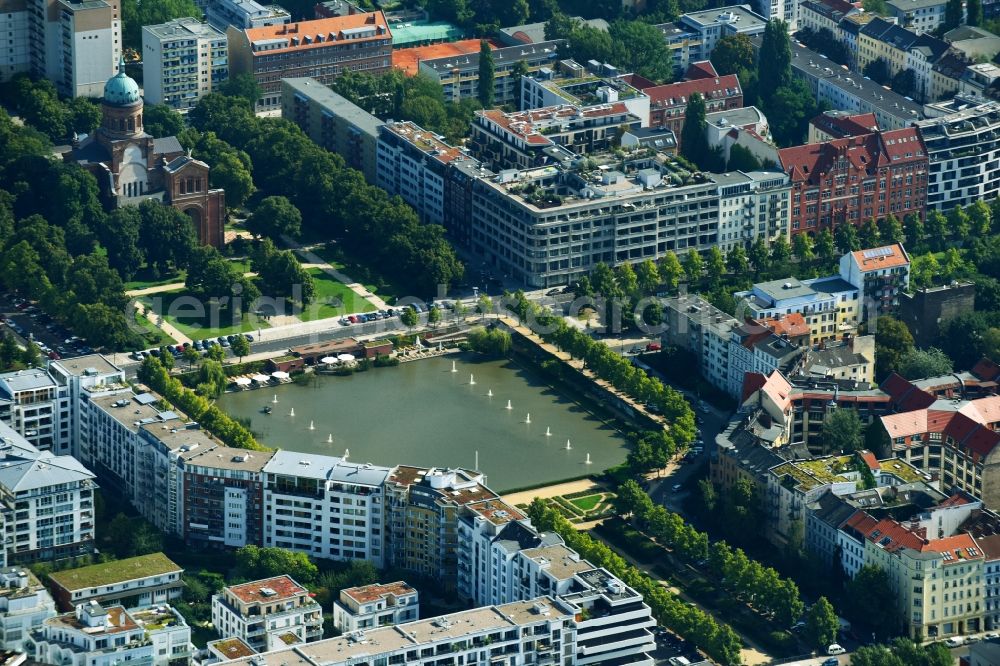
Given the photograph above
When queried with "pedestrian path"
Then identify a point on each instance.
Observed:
(160, 323)
(313, 260)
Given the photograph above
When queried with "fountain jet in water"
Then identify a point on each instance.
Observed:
(508, 405)
(472, 380)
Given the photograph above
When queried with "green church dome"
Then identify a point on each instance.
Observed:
(121, 89)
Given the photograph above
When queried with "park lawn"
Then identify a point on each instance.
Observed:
(587, 503)
(332, 298)
(242, 264)
(144, 279)
(198, 321)
(152, 336)
(355, 269)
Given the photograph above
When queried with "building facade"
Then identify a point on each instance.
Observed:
(881, 274)
(25, 604)
(320, 49)
(243, 14)
(333, 122)
(267, 614)
(146, 580)
(182, 61)
(374, 606)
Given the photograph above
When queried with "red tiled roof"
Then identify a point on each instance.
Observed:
(892, 536)
(678, 94)
(752, 382)
(865, 152)
(990, 546)
(252, 592)
(639, 82)
(868, 260)
(956, 549)
(319, 27)
(839, 126)
(368, 593)
(793, 325)
(703, 69)
(409, 59)
(986, 369)
(870, 460)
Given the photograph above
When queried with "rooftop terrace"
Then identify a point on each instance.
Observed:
(108, 573)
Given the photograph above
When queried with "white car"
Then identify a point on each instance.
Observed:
(991, 635)
(835, 649)
(955, 641)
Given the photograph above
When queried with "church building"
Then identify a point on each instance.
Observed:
(131, 166)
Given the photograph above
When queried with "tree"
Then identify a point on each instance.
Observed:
(159, 120)
(630, 499)
(842, 431)
(166, 235)
(232, 175)
(715, 265)
(822, 623)
(637, 46)
(243, 86)
(191, 355)
(781, 251)
(789, 109)
(589, 43)
(255, 562)
(869, 236)
(954, 12)
(923, 363)
(981, 217)
(274, 217)
(240, 346)
(774, 64)
(847, 238)
(484, 305)
(825, 246)
(409, 317)
(893, 341)
(890, 230)
(802, 247)
(671, 270)
(647, 276)
(959, 222)
(878, 70)
(974, 12)
(913, 228)
(693, 265)
(904, 82)
(733, 54)
(434, 316)
(694, 141)
(487, 73)
(924, 270)
(870, 600)
(937, 228)
(737, 261)
(491, 341)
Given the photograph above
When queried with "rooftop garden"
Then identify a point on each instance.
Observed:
(106, 573)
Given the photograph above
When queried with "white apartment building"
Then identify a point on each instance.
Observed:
(134, 582)
(182, 61)
(324, 506)
(46, 502)
(29, 403)
(918, 15)
(244, 14)
(76, 44)
(990, 545)
(376, 605)
(24, 605)
(268, 614)
(411, 162)
(539, 631)
(752, 205)
(698, 326)
(15, 58)
(96, 636)
(81, 380)
(963, 150)
(711, 25)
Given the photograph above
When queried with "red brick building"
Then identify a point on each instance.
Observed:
(857, 178)
(668, 103)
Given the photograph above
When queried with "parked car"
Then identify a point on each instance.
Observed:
(954, 641)
(677, 487)
(832, 661)
(653, 346)
(834, 648)
(248, 337)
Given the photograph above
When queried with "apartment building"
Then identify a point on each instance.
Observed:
(374, 606)
(244, 14)
(81, 379)
(413, 163)
(831, 125)
(694, 324)
(819, 15)
(668, 102)
(855, 179)
(918, 15)
(458, 74)
(134, 582)
(24, 605)
(902, 50)
(963, 152)
(15, 25)
(830, 306)
(182, 61)
(881, 274)
(320, 49)
(29, 403)
(325, 507)
(547, 135)
(333, 122)
(711, 25)
(848, 91)
(46, 502)
(925, 309)
(268, 614)
(538, 630)
(850, 359)
(76, 44)
(682, 42)
(93, 635)
(423, 506)
(570, 83)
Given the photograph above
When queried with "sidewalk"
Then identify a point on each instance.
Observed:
(525, 496)
(313, 260)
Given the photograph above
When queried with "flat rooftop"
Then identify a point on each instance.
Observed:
(184, 28)
(409, 59)
(109, 573)
(368, 593)
(232, 648)
(124, 408)
(78, 366)
(562, 562)
(267, 590)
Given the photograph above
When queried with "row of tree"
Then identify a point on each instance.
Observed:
(718, 640)
(334, 200)
(197, 407)
(760, 587)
